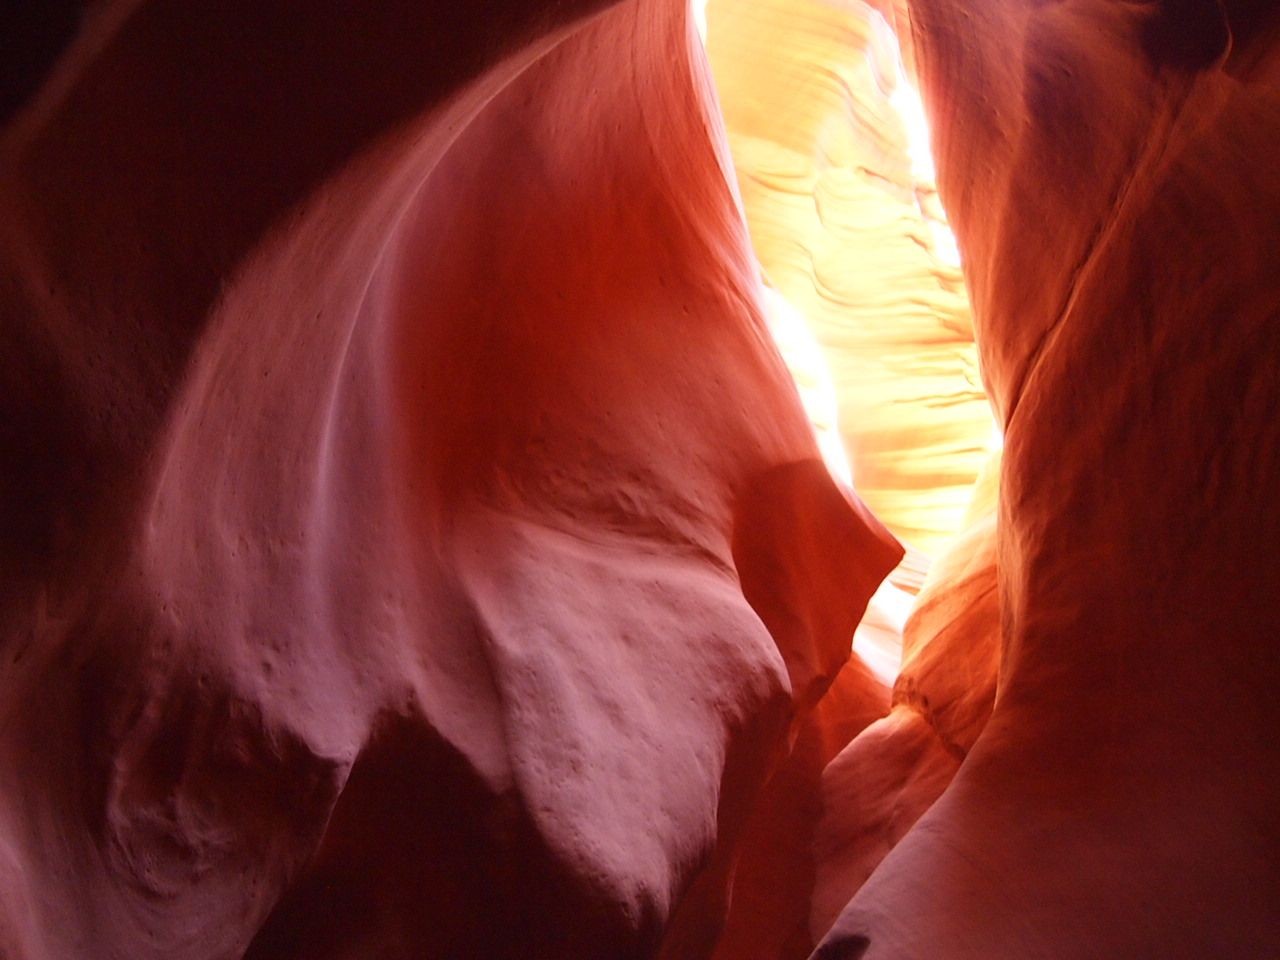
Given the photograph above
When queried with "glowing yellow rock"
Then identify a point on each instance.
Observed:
(831, 151)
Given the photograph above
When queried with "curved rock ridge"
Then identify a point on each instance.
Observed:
(412, 543)
(831, 151)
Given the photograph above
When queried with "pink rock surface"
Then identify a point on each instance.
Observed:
(412, 544)
(873, 793)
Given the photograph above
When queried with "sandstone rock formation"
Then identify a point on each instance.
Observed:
(413, 545)
(1110, 172)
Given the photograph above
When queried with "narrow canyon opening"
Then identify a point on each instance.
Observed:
(863, 285)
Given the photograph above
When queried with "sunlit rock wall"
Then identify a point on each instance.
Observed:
(832, 158)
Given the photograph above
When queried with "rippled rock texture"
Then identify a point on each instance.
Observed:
(832, 158)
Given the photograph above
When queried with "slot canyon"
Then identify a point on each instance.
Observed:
(584, 479)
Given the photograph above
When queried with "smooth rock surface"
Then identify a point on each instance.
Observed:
(1110, 170)
(411, 542)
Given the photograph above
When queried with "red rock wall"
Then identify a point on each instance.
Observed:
(412, 543)
(1110, 169)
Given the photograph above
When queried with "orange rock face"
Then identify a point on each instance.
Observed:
(413, 545)
(1110, 172)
